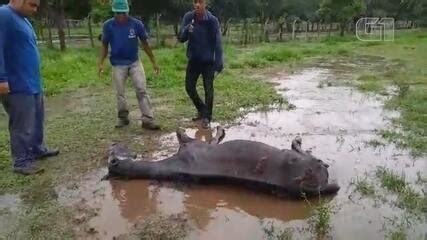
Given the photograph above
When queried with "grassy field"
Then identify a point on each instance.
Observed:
(81, 109)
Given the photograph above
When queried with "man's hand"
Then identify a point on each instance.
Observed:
(103, 55)
(219, 67)
(148, 51)
(4, 88)
(190, 26)
(156, 68)
(100, 70)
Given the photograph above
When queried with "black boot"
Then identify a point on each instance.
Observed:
(150, 125)
(197, 118)
(30, 170)
(206, 123)
(123, 122)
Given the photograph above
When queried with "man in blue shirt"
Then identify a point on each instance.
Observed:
(20, 85)
(204, 51)
(123, 33)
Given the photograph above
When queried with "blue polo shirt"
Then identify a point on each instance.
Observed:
(123, 39)
(19, 55)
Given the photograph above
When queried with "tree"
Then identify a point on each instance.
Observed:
(342, 11)
(77, 9)
(100, 10)
(304, 10)
(225, 10)
(59, 13)
(174, 11)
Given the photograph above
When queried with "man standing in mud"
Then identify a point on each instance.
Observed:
(21, 86)
(205, 56)
(123, 33)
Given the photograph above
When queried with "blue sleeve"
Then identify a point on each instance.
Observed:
(140, 31)
(106, 35)
(183, 34)
(4, 19)
(219, 58)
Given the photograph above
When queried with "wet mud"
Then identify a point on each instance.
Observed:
(337, 124)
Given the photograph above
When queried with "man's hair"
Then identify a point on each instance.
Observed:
(206, 1)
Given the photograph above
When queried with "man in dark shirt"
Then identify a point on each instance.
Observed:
(205, 56)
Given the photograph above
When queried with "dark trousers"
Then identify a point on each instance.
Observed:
(194, 70)
(26, 117)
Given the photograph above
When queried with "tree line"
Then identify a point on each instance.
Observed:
(282, 12)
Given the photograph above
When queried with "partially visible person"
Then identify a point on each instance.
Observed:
(123, 33)
(205, 56)
(21, 86)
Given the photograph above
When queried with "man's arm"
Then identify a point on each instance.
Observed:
(105, 39)
(185, 27)
(4, 85)
(102, 56)
(219, 58)
(149, 52)
(143, 37)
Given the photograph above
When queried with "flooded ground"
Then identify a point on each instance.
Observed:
(9, 205)
(336, 122)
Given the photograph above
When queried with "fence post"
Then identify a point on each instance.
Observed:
(68, 29)
(41, 30)
(89, 24)
(265, 29)
(307, 24)
(293, 29)
(49, 32)
(246, 32)
(281, 29)
(157, 16)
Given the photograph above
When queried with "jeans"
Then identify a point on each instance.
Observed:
(26, 120)
(194, 69)
(137, 74)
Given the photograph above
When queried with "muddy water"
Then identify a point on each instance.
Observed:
(335, 123)
(9, 205)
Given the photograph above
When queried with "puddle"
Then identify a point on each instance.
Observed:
(9, 206)
(335, 123)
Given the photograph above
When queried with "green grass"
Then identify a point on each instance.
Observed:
(409, 75)
(264, 55)
(36, 222)
(320, 222)
(421, 179)
(322, 219)
(364, 187)
(370, 83)
(272, 232)
(408, 198)
(66, 72)
(390, 180)
(397, 235)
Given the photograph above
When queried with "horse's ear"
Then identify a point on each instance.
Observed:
(179, 133)
(296, 144)
(183, 137)
(114, 162)
(106, 177)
